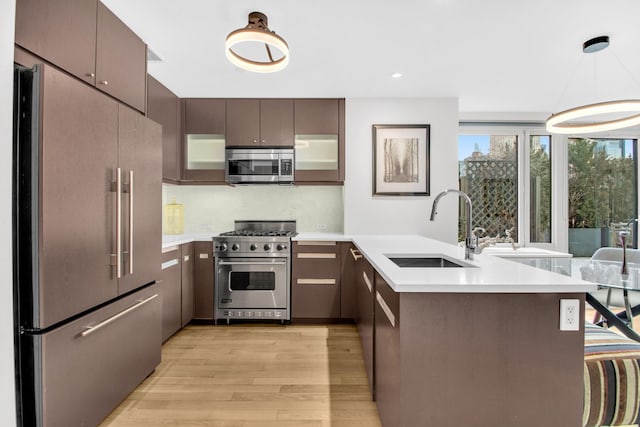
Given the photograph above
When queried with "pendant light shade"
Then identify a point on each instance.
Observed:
(257, 31)
(561, 122)
(558, 123)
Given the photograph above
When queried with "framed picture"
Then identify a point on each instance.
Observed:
(401, 160)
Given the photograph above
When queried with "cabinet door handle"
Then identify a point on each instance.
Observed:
(367, 281)
(355, 254)
(118, 223)
(91, 74)
(316, 281)
(314, 255)
(385, 308)
(92, 329)
(131, 222)
(170, 263)
(315, 243)
(104, 82)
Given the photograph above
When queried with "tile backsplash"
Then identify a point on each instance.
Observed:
(214, 208)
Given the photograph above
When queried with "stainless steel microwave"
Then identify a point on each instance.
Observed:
(259, 165)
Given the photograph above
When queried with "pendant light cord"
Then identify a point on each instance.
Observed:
(569, 80)
(625, 68)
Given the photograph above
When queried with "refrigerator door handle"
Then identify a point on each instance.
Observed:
(91, 329)
(118, 253)
(131, 222)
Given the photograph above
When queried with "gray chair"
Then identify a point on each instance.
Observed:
(615, 297)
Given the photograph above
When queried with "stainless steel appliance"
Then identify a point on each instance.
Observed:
(86, 249)
(253, 271)
(259, 165)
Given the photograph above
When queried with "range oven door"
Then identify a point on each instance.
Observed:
(252, 283)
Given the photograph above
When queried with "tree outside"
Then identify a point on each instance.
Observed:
(602, 186)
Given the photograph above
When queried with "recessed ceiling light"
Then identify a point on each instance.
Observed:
(396, 75)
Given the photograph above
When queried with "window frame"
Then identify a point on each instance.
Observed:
(523, 136)
(559, 174)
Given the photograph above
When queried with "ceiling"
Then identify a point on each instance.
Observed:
(494, 55)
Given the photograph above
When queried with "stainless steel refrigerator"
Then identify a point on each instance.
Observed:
(87, 230)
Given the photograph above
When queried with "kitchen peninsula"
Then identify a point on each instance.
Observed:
(477, 345)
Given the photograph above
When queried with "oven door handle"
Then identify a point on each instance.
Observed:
(251, 262)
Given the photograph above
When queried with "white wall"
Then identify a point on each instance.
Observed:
(365, 214)
(7, 387)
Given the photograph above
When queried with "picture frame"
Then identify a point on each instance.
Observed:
(401, 160)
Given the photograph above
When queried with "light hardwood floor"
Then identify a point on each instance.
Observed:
(255, 376)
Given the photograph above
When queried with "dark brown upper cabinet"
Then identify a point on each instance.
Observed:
(86, 39)
(204, 140)
(121, 60)
(319, 141)
(163, 107)
(62, 32)
(259, 122)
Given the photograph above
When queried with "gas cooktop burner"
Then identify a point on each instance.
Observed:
(257, 233)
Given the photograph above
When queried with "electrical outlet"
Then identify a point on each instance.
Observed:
(321, 227)
(569, 315)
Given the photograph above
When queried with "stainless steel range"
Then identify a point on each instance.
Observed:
(253, 271)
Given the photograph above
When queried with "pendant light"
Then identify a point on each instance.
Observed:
(258, 31)
(559, 122)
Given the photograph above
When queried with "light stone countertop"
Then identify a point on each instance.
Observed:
(321, 237)
(526, 252)
(169, 240)
(489, 274)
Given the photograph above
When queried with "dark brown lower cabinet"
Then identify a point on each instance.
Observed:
(171, 286)
(95, 361)
(187, 283)
(475, 360)
(364, 316)
(349, 258)
(387, 352)
(203, 280)
(315, 283)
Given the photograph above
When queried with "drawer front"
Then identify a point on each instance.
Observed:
(316, 268)
(87, 372)
(315, 246)
(315, 291)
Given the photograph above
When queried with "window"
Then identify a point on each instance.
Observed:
(488, 173)
(602, 193)
(508, 174)
(540, 189)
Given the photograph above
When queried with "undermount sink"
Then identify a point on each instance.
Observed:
(426, 261)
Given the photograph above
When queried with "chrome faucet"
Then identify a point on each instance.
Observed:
(471, 241)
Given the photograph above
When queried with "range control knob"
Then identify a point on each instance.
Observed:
(267, 247)
(253, 247)
(281, 247)
(222, 247)
(235, 247)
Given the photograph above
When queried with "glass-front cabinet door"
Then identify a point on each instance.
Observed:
(319, 140)
(317, 153)
(204, 139)
(204, 156)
